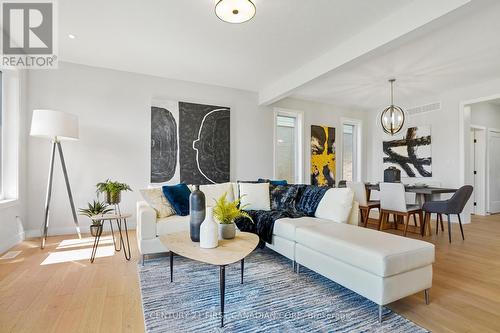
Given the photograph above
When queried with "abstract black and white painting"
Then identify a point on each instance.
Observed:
(204, 143)
(163, 144)
(411, 154)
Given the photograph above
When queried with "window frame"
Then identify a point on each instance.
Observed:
(11, 136)
(357, 147)
(299, 141)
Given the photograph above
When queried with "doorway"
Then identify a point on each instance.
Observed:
(494, 171)
(478, 167)
(481, 153)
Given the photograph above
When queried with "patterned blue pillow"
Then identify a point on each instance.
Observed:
(283, 197)
(310, 198)
(178, 196)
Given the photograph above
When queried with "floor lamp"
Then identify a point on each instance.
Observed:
(56, 126)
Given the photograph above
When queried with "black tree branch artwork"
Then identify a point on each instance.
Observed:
(411, 142)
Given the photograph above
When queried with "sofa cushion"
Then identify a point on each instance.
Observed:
(285, 227)
(214, 191)
(310, 198)
(376, 252)
(156, 199)
(172, 224)
(255, 196)
(178, 196)
(335, 205)
(283, 197)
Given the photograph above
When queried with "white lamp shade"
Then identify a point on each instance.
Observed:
(54, 125)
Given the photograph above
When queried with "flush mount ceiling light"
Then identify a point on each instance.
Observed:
(392, 118)
(235, 11)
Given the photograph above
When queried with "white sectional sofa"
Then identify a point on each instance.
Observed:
(379, 266)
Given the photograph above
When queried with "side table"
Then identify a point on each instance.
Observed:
(119, 218)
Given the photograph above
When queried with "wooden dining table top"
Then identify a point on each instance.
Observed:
(417, 189)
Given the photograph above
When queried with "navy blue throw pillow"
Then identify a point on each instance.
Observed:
(283, 197)
(310, 198)
(178, 196)
(273, 182)
(278, 182)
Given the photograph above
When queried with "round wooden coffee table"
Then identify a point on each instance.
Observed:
(228, 252)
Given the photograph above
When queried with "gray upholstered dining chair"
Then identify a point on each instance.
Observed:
(454, 205)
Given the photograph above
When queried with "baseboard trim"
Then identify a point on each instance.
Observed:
(12, 241)
(60, 231)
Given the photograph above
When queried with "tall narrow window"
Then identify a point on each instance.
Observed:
(349, 153)
(1, 139)
(288, 151)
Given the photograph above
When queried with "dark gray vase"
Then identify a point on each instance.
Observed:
(196, 213)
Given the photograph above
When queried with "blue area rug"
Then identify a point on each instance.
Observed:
(272, 299)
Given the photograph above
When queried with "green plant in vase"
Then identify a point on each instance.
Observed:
(95, 208)
(225, 212)
(112, 190)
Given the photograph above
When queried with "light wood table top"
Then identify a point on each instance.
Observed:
(110, 216)
(229, 250)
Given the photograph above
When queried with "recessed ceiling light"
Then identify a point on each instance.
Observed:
(71, 36)
(235, 11)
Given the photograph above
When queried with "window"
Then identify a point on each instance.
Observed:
(350, 151)
(288, 143)
(1, 140)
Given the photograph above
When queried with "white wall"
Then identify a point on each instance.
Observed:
(316, 113)
(485, 114)
(114, 112)
(113, 108)
(447, 152)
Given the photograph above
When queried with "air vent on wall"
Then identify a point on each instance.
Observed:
(424, 108)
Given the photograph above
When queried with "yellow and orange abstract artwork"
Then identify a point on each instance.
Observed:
(322, 155)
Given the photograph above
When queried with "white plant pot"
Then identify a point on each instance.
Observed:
(209, 231)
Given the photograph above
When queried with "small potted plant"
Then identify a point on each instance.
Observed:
(225, 212)
(112, 191)
(95, 208)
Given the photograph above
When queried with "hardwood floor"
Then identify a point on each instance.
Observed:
(69, 294)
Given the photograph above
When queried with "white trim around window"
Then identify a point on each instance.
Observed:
(357, 143)
(299, 141)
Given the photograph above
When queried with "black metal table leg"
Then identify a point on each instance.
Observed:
(117, 249)
(94, 247)
(222, 293)
(122, 245)
(171, 266)
(128, 242)
(242, 269)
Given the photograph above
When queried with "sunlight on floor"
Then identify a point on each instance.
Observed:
(89, 241)
(75, 255)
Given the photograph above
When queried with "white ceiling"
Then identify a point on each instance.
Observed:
(183, 39)
(459, 50)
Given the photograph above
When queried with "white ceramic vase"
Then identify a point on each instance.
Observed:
(209, 231)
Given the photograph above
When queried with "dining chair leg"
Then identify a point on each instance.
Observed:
(449, 227)
(441, 221)
(367, 217)
(422, 227)
(437, 223)
(406, 220)
(362, 217)
(415, 220)
(381, 217)
(429, 226)
(461, 228)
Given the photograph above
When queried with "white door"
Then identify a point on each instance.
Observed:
(473, 166)
(494, 171)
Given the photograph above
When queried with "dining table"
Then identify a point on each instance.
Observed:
(423, 193)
